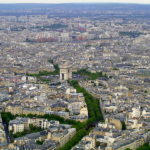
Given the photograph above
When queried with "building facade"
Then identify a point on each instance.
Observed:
(65, 72)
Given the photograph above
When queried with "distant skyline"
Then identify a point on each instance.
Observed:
(76, 1)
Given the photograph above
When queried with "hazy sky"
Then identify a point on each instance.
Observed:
(70, 1)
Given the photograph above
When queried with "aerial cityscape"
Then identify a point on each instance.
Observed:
(75, 76)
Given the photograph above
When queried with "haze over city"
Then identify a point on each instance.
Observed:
(74, 75)
(76, 1)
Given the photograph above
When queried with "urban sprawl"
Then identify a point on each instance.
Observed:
(75, 77)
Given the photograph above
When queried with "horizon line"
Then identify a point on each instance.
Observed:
(75, 3)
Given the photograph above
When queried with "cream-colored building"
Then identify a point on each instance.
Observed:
(65, 72)
(21, 124)
(62, 137)
(18, 127)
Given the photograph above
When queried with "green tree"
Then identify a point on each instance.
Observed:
(7, 116)
(89, 75)
(145, 146)
(40, 142)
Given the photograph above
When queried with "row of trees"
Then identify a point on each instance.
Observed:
(94, 112)
(79, 135)
(76, 124)
(90, 75)
(92, 102)
(7, 116)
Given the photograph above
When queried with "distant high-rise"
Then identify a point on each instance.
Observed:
(65, 72)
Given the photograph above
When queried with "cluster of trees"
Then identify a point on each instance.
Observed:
(90, 75)
(39, 142)
(115, 68)
(145, 146)
(6, 117)
(32, 129)
(132, 34)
